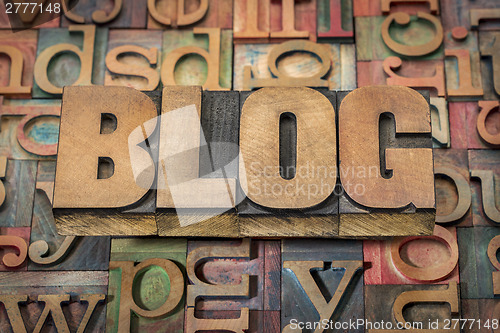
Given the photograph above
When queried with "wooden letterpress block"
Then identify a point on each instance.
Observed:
(369, 172)
(288, 173)
(287, 64)
(29, 129)
(293, 19)
(478, 262)
(133, 59)
(453, 193)
(460, 13)
(42, 301)
(175, 14)
(17, 57)
(417, 74)
(462, 65)
(440, 122)
(484, 166)
(316, 275)
(458, 123)
(128, 14)
(251, 21)
(423, 304)
(413, 260)
(258, 321)
(146, 279)
(49, 250)
(49, 19)
(263, 268)
(377, 8)
(17, 182)
(485, 312)
(89, 46)
(197, 178)
(335, 20)
(14, 248)
(115, 194)
(180, 66)
(212, 274)
(489, 47)
(483, 125)
(378, 37)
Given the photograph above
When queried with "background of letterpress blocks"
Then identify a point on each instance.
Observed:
(42, 271)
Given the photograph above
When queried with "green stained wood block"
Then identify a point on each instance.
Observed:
(151, 286)
(64, 68)
(192, 69)
(371, 46)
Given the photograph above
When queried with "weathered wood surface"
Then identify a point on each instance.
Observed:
(453, 192)
(35, 21)
(413, 260)
(482, 309)
(478, 268)
(17, 58)
(378, 8)
(321, 279)
(19, 183)
(14, 248)
(128, 14)
(484, 166)
(121, 189)
(381, 196)
(440, 122)
(83, 61)
(29, 129)
(133, 59)
(66, 301)
(146, 278)
(292, 64)
(180, 58)
(457, 13)
(335, 20)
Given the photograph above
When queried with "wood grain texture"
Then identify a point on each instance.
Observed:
(440, 122)
(125, 189)
(13, 249)
(413, 260)
(482, 122)
(29, 129)
(483, 309)
(292, 19)
(374, 8)
(131, 14)
(90, 48)
(453, 193)
(85, 253)
(312, 295)
(19, 183)
(364, 170)
(181, 55)
(125, 66)
(458, 123)
(457, 13)
(153, 290)
(423, 302)
(17, 58)
(335, 20)
(47, 20)
(284, 211)
(476, 268)
(484, 166)
(489, 47)
(215, 14)
(73, 300)
(294, 65)
(371, 46)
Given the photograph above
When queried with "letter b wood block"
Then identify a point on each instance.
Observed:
(202, 167)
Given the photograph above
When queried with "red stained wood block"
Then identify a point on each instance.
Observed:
(413, 260)
(203, 14)
(11, 244)
(263, 270)
(17, 58)
(453, 193)
(483, 123)
(458, 123)
(484, 166)
(305, 19)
